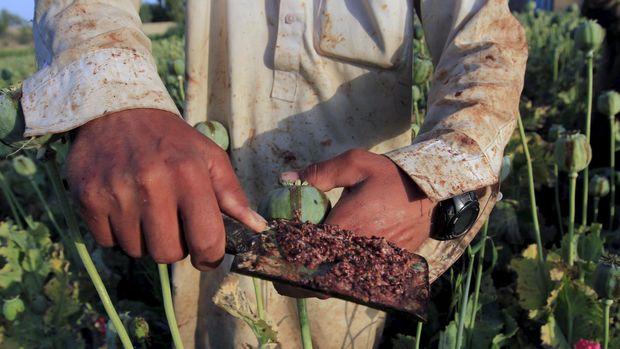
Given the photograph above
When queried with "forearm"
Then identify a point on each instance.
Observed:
(93, 60)
(473, 102)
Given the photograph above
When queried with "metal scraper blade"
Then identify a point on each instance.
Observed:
(259, 255)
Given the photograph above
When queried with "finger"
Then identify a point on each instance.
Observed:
(99, 226)
(343, 170)
(160, 227)
(203, 226)
(230, 195)
(94, 210)
(124, 216)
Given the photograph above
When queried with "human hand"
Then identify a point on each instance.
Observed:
(146, 180)
(378, 198)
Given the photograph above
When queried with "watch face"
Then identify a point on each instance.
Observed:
(465, 220)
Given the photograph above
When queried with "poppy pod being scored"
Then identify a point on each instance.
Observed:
(292, 199)
(572, 152)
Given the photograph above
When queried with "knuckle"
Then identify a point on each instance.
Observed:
(149, 180)
(188, 169)
(355, 155)
(208, 252)
(87, 194)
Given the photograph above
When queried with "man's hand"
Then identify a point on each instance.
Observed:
(149, 182)
(378, 198)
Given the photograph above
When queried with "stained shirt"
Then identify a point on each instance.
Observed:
(300, 81)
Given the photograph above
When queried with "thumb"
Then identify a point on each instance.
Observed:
(344, 170)
(230, 196)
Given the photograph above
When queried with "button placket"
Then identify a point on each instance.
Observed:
(291, 26)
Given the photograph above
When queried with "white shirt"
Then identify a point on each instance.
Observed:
(299, 81)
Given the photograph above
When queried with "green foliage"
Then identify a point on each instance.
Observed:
(532, 283)
(37, 272)
(165, 50)
(552, 79)
(577, 313)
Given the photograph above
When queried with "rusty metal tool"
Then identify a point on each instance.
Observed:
(259, 255)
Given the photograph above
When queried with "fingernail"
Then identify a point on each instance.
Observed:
(289, 176)
(259, 218)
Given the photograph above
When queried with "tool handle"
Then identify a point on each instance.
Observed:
(239, 238)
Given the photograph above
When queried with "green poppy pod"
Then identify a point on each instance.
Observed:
(24, 166)
(416, 93)
(295, 200)
(606, 278)
(215, 131)
(177, 67)
(599, 186)
(12, 307)
(608, 103)
(589, 36)
(572, 152)
(422, 70)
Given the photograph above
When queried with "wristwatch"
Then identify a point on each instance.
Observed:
(455, 216)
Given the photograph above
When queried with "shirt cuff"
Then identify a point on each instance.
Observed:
(60, 98)
(443, 169)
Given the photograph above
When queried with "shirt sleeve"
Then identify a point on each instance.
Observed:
(93, 59)
(479, 51)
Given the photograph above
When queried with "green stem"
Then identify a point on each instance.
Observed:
(533, 206)
(17, 205)
(304, 323)
(47, 209)
(608, 303)
(76, 238)
(595, 213)
(485, 231)
(556, 63)
(418, 335)
(464, 299)
(260, 308)
(168, 306)
(572, 188)
(558, 208)
(612, 171)
(181, 87)
(570, 322)
(416, 113)
(6, 190)
(584, 206)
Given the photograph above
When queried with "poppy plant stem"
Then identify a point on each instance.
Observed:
(612, 171)
(608, 303)
(464, 299)
(304, 323)
(418, 335)
(572, 188)
(169, 306)
(76, 238)
(590, 68)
